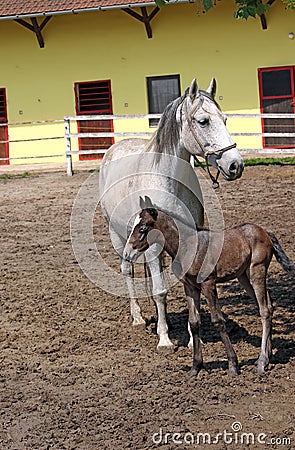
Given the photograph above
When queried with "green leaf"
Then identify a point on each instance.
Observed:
(160, 3)
(290, 3)
(242, 12)
(208, 4)
(261, 9)
(252, 10)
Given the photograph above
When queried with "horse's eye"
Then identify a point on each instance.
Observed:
(203, 122)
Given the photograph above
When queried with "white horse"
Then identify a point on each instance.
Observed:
(160, 168)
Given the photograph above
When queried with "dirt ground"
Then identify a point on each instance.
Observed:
(75, 375)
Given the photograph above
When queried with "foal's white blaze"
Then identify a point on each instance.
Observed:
(128, 252)
(136, 222)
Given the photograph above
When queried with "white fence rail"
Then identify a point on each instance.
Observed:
(24, 126)
(71, 135)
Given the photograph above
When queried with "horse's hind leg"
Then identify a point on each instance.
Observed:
(159, 295)
(128, 273)
(210, 292)
(245, 283)
(258, 282)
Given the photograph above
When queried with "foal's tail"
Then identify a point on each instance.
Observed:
(280, 255)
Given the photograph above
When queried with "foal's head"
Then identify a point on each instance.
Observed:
(139, 239)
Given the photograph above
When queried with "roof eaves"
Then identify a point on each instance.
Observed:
(77, 11)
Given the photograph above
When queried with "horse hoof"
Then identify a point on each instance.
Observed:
(139, 325)
(233, 371)
(260, 369)
(190, 345)
(193, 372)
(165, 349)
(261, 366)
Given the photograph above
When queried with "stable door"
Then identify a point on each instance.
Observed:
(94, 98)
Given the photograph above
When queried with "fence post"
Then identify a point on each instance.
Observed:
(68, 147)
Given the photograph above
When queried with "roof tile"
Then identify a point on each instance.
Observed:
(26, 7)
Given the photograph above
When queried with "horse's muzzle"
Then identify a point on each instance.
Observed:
(129, 254)
(234, 170)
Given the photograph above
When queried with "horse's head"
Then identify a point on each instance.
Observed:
(204, 132)
(139, 239)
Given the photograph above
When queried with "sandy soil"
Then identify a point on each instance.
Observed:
(75, 375)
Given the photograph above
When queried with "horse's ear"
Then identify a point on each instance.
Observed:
(193, 90)
(148, 202)
(141, 203)
(212, 88)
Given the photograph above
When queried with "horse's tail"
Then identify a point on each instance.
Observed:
(280, 255)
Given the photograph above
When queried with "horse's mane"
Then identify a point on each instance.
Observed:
(166, 137)
(167, 133)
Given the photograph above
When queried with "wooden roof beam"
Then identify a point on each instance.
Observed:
(144, 17)
(35, 27)
(263, 18)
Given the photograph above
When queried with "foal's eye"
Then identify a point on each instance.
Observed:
(143, 229)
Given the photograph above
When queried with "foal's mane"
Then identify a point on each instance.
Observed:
(166, 137)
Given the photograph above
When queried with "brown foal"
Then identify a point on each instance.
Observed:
(245, 254)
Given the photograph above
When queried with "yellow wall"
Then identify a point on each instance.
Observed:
(113, 45)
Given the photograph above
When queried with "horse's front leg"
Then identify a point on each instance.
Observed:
(128, 273)
(210, 292)
(159, 296)
(194, 319)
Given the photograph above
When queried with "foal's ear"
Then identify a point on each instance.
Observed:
(212, 88)
(193, 90)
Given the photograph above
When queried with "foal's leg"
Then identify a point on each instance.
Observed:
(193, 302)
(159, 295)
(258, 281)
(210, 292)
(128, 273)
(245, 283)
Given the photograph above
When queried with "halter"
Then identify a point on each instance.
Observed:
(207, 153)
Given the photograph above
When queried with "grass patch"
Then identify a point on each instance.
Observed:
(288, 161)
(9, 176)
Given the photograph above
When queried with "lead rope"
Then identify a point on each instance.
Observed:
(214, 180)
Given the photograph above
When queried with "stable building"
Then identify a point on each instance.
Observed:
(112, 57)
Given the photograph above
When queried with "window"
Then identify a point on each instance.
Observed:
(277, 95)
(94, 98)
(161, 91)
